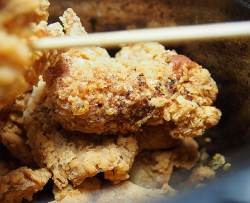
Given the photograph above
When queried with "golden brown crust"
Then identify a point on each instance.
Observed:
(22, 183)
(86, 192)
(152, 169)
(73, 156)
(20, 65)
(93, 97)
(144, 84)
(13, 134)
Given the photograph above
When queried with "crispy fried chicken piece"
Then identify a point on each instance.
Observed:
(12, 132)
(20, 65)
(92, 190)
(22, 183)
(153, 169)
(144, 84)
(73, 156)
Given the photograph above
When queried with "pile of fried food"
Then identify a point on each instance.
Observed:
(103, 128)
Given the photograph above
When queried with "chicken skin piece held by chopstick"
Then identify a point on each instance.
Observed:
(91, 92)
(94, 93)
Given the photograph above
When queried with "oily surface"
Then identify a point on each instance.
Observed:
(91, 114)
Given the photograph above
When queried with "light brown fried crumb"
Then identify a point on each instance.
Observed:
(13, 134)
(217, 161)
(152, 169)
(208, 139)
(22, 183)
(73, 156)
(226, 167)
(204, 156)
(85, 192)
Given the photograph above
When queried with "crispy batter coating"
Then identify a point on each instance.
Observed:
(73, 156)
(22, 183)
(93, 190)
(144, 84)
(13, 134)
(20, 66)
(153, 169)
(86, 192)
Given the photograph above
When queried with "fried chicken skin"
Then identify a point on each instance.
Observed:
(12, 133)
(152, 169)
(73, 156)
(22, 183)
(91, 92)
(20, 66)
(93, 190)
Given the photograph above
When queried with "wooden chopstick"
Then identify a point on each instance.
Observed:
(166, 35)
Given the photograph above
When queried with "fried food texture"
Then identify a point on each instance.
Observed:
(73, 156)
(22, 183)
(12, 133)
(20, 66)
(129, 119)
(91, 92)
(152, 169)
(93, 190)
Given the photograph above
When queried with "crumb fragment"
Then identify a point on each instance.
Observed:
(74, 156)
(226, 166)
(208, 139)
(152, 169)
(217, 161)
